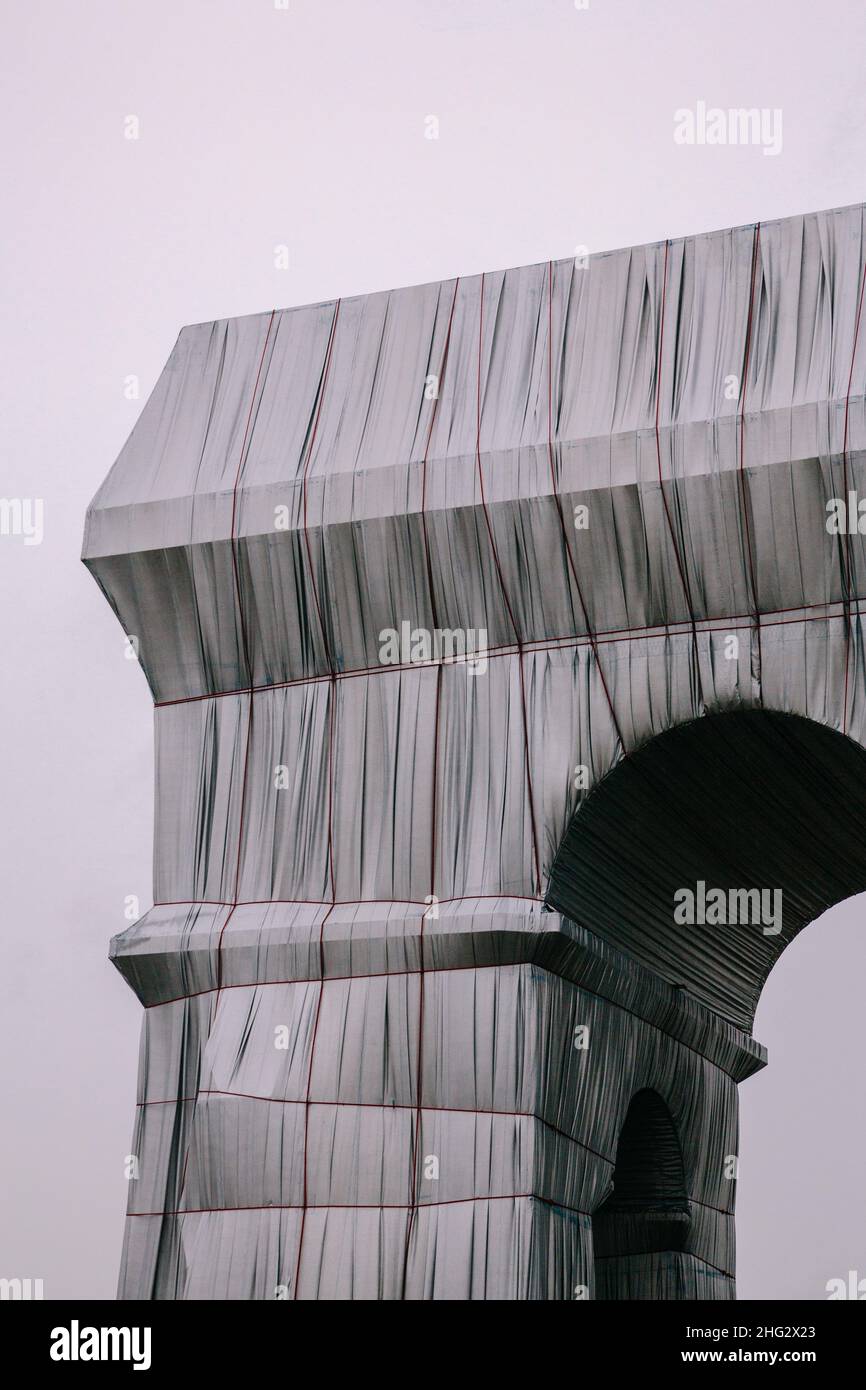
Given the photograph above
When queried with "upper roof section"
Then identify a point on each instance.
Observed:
(345, 401)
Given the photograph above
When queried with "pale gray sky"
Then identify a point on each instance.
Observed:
(305, 126)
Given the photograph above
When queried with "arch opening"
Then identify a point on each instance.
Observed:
(708, 849)
(647, 1212)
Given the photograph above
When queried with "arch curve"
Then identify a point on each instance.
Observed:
(708, 849)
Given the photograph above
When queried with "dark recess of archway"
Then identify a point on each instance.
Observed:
(750, 799)
(647, 1212)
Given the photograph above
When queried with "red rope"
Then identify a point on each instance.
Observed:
(389, 1105)
(846, 549)
(332, 701)
(553, 478)
(424, 461)
(450, 970)
(517, 638)
(350, 902)
(419, 1051)
(602, 636)
(326, 367)
(244, 644)
(680, 563)
(741, 476)
(415, 1152)
(367, 1206)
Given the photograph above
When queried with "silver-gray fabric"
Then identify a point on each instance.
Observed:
(363, 854)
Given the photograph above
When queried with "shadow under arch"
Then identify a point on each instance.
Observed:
(767, 807)
(647, 1212)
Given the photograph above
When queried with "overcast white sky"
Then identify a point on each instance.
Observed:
(306, 127)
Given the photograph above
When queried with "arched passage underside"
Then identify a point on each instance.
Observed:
(738, 802)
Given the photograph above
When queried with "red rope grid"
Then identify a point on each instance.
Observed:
(592, 639)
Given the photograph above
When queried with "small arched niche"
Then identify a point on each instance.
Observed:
(647, 1211)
